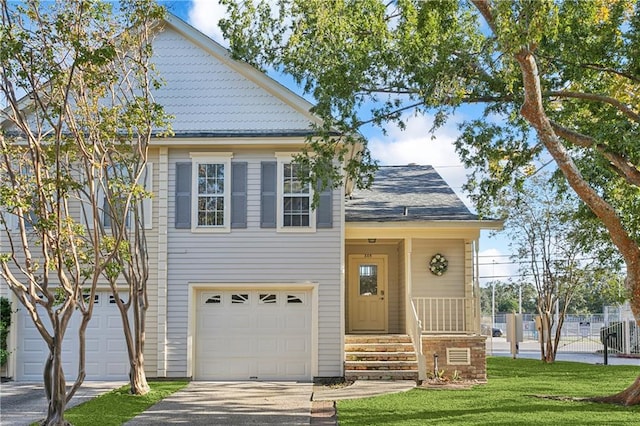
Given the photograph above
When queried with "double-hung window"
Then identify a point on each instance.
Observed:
(294, 197)
(211, 192)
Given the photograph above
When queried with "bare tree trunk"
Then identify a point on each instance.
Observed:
(55, 386)
(137, 376)
(134, 340)
(547, 354)
(139, 385)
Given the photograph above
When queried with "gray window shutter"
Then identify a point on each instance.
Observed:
(324, 213)
(239, 195)
(183, 195)
(268, 194)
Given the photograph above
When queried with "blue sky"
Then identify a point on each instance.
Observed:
(411, 145)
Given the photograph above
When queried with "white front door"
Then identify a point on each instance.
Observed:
(368, 293)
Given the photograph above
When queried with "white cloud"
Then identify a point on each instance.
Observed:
(204, 15)
(416, 145)
(494, 264)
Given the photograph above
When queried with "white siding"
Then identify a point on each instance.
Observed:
(253, 255)
(452, 283)
(206, 95)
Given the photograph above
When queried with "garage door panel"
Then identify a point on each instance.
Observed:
(267, 321)
(105, 351)
(296, 346)
(115, 346)
(296, 368)
(114, 322)
(262, 336)
(269, 368)
(92, 345)
(236, 347)
(268, 345)
(33, 345)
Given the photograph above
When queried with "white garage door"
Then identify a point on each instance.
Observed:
(106, 351)
(253, 335)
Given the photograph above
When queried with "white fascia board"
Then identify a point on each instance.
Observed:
(429, 224)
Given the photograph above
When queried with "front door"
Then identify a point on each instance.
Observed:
(368, 293)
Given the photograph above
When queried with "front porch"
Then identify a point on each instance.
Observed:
(397, 327)
(411, 268)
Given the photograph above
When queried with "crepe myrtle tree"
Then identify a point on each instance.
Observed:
(553, 81)
(541, 232)
(76, 80)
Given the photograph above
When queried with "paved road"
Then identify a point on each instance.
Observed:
(498, 346)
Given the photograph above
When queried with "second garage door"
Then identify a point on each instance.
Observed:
(106, 350)
(253, 335)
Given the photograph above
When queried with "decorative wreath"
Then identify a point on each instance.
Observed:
(438, 264)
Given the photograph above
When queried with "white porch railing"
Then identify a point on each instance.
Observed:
(445, 314)
(415, 331)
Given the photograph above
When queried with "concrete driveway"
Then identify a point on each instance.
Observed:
(23, 403)
(219, 403)
(233, 403)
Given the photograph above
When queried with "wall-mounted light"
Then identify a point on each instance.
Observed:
(371, 240)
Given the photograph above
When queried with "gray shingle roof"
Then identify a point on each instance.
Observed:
(419, 189)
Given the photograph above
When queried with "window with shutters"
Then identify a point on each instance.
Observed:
(211, 192)
(294, 197)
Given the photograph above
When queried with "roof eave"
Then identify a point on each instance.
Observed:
(490, 224)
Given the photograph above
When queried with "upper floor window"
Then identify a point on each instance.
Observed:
(294, 197)
(296, 202)
(211, 183)
(211, 191)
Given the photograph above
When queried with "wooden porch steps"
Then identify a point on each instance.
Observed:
(380, 357)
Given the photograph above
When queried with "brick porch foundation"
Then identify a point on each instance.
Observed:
(471, 367)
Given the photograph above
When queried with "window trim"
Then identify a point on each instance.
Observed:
(223, 158)
(284, 158)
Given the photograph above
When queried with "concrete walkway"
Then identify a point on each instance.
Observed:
(361, 389)
(232, 403)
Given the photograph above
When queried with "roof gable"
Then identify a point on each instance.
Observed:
(210, 93)
(406, 194)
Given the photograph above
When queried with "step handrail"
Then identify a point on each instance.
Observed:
(415, 331)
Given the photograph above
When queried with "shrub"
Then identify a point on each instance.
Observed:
(5, 325)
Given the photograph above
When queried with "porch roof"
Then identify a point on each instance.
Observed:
(406, 194)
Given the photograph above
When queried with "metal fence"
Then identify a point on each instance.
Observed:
(582, 333)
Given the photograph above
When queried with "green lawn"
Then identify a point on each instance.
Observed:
(118, 406)
(509, 398)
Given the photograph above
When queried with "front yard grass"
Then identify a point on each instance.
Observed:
(118, 406)
(514, 395)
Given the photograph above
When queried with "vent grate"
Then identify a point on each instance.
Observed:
(458, 356)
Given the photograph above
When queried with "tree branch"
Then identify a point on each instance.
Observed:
(597, 98)
(621, 165)
(533, 111)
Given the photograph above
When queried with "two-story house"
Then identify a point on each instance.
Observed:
(247, 280)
